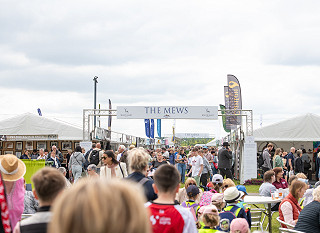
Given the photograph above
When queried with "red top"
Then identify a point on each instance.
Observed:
(296, 209)
(281, 184)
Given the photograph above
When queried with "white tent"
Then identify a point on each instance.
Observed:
(299, 132)
(31, 124)
(213, 142)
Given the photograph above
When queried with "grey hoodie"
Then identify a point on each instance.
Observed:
(76, 158)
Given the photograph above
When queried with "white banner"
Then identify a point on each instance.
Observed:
(29, 137)
(192, 135)
(168, 112)
(249, 162)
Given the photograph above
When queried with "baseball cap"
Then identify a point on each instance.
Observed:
(210, 185)
(211, 209)
(217, 198)
(201, 209)
(217, 179)
(192, 190)
(239, 225)
(242, 188)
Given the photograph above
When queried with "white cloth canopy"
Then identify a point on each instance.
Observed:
(31, 124)
(212, 143)
(304, 128)
(298, 132)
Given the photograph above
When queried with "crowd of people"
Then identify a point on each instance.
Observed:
(137, 190)
(299, 208)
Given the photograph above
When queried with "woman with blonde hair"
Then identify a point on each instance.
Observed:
(112, 168)
(227, 183)
(138, 160)
(98, 206)
(289, 208)
(277, 160)
(301, 176)
(182, 194)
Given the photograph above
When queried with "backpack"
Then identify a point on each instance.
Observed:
(193, 208)
(206, 198)
(226, 218)
(306, 166)
(260, 160)
(94, 158)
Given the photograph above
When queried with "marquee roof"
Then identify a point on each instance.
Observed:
(301, 128)
(31, 124)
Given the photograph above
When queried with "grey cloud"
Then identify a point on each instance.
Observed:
(111, 36)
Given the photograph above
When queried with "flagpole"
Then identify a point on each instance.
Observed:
(95, 80)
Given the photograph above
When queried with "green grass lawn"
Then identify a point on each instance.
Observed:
(275, 224)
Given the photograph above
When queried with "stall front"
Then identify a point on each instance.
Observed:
(299, 132)
(302, 132)
(29, 131)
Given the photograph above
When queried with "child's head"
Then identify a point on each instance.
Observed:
(48, 183)
(302, 176)
(210, 216)
(217, 181)
(232, 195)
(239, 225)
(192, 192)
(210, 186)
(217, 200)
(242, 190)
(200, 211)
(227, 183)
(291, 179)
(166, 179)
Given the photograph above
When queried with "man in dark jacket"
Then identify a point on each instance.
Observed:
(290, 159)
(225, 160)
(298, 168)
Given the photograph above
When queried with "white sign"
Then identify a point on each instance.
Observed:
(31, 137)
(249, 139)
(249, 162)
(167, 112)
(192, 135)
(101, 133)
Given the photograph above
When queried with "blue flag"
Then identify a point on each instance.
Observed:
(159, 127)
(39, 112)
(147, 126)
(152, 128)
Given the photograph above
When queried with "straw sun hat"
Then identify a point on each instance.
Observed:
(231, 195)
(11, 167)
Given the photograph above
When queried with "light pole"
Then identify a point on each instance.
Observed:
(95, 80)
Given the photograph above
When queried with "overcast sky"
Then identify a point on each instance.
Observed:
(159, 53)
